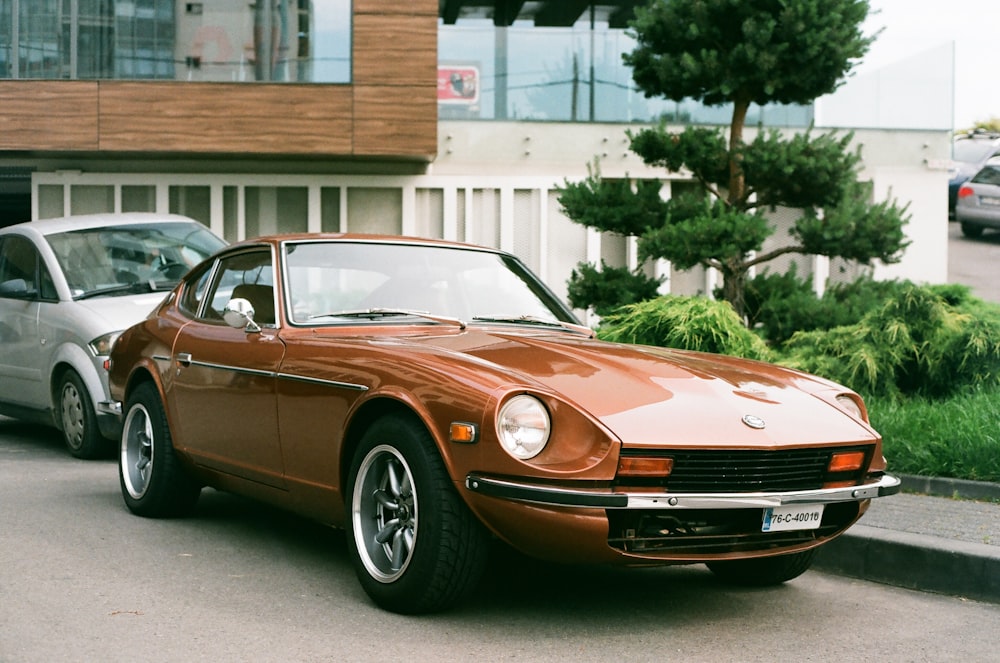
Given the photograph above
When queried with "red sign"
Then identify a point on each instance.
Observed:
(458, 85)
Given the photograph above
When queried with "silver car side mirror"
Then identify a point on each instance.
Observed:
(239, 314)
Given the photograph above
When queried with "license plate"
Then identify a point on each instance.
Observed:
(989, 200)
(785, 518)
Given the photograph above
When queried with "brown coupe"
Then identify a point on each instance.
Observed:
(428, 396)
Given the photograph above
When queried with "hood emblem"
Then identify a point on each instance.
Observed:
(753, 421)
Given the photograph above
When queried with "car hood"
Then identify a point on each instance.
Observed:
(652, 396)
(119, 312)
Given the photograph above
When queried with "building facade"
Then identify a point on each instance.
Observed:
(456, 119)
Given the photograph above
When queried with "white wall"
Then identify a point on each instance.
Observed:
(907, 165)
(496, 184)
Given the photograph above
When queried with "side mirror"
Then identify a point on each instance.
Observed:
(15, 288)
(239, 314)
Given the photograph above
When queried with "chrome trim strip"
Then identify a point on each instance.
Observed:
(224, 367)
(321, 381)
(186, 359)
(567, 497)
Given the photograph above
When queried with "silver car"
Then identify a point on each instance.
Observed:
(978, 205)
(68, 287)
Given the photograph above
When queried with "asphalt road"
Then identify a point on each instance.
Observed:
(975, 262)
(81, 579)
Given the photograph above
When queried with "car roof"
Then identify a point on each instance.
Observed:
(85, 221)
(363, 238)
(978, 134)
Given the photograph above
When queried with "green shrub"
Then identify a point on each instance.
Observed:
(781, 304)
(915, 343)
(609, 287)
(847, 303)
(689, 323)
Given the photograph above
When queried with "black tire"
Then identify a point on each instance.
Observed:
(415, 545)
(78, 420)
(153, 481)
(763, 571)
(972, 231)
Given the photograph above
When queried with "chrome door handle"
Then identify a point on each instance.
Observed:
(184, 358)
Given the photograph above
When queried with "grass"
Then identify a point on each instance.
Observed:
(958, 437)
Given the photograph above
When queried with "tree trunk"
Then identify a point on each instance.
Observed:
(733, 285)
(734, 270)
(737, 182)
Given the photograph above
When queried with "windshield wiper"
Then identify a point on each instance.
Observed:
(535, 320)
(136, 288)
(373, 313)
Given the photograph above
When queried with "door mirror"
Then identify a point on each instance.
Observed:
(239, 314)
(15, 289)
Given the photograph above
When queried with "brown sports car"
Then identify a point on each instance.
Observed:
(429, 396)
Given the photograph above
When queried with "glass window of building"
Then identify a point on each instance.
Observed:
(304, 41)
(557, 61)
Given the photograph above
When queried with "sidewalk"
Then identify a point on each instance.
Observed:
(938, 535)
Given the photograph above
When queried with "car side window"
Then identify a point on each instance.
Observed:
(193, 291)
(248, 275)
(990, 174)
(46, 286)
(22, 274)
(195, 287)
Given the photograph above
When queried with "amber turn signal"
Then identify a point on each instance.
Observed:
(645, 467)
(462, 432)
(846, 461)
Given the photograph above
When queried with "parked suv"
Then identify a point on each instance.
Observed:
(68, 287)
(969, 153)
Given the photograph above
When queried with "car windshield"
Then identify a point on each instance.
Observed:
(338, 282)
(130, 258)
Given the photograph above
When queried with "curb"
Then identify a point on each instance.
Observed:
(914, 561)
(945, 487)
(917, 561)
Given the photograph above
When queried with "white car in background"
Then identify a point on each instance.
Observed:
(978, 206)
(68, 287)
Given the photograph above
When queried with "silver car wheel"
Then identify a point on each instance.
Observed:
(137, 451)
(384, 513)
(71, 408)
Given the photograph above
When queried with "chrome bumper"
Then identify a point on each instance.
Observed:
(567, 497)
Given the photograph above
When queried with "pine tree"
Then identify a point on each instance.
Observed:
(743, 52)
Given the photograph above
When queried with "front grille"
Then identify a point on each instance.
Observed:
(738, 471)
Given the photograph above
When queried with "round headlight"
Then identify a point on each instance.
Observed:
(523, 427)
(851, 406)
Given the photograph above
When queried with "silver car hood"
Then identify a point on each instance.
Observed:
(122, 311)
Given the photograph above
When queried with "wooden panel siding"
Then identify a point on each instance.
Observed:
(394, 120)
(400, 7)
(388, 111)
(395, 77)
(394, 50)
(225, 118)
(48, 115)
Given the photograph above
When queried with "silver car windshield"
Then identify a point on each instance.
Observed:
(344, 282)
(133, 258)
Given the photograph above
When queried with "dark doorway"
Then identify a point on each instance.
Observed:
(15, 195)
